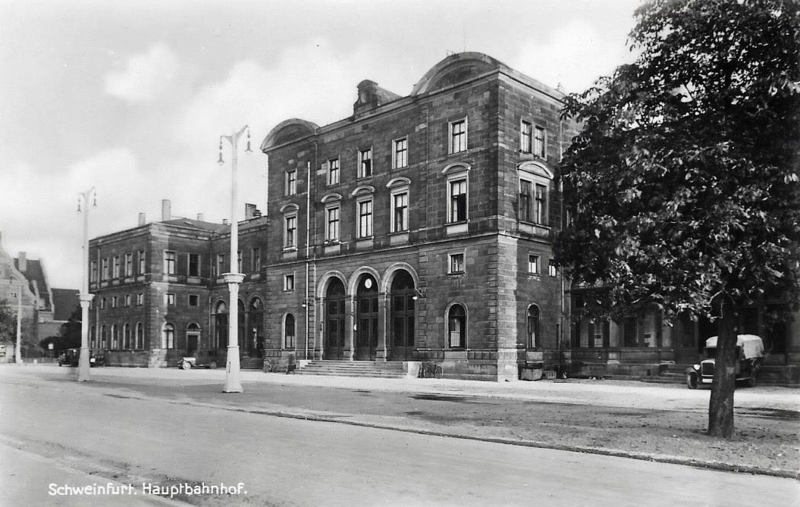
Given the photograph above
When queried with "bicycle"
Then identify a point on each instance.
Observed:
(429, 369)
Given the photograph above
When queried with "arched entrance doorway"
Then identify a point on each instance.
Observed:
(192, 338)
(334, 320)
(367, 319)
(402, 316)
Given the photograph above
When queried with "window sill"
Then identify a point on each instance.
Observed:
(538, 230)
(398, 238)
(457, 228)
(364, 243)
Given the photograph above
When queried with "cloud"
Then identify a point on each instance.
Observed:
(146, 76)
(574, 56)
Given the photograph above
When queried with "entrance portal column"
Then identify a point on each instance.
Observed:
(382, 354)
(349, 328)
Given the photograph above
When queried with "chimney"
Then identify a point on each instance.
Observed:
(199, 217)
(22, 262)
(142, 219)
(166, 210)
(224, 221)
(249, 211)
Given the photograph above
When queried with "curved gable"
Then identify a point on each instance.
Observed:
(455, 69)
(288, 131)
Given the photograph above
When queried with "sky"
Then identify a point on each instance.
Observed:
(131, 97)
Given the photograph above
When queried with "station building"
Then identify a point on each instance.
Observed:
(418, 228)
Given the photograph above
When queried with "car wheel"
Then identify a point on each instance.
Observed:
(691, 381)
(212, 365)
(186, 365)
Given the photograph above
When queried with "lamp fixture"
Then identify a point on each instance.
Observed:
(418, 294)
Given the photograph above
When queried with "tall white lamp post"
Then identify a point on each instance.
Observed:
(233, 381)
(84, 296)
(18, 348)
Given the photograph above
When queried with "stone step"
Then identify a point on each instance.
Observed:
(382, 369)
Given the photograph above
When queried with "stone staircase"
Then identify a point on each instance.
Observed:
(375, 369)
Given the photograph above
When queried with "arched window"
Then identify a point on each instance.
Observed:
(93, 337)
(457, 327)
(289, 332)
(126, 336)
(114, 337)
(533, 327)
(220, 326)
(103, 337)
(138, 343)
(168, 336)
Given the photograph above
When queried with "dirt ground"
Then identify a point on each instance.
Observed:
(767, 439)
(645, 421)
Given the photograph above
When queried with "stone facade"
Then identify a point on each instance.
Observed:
(455, 153)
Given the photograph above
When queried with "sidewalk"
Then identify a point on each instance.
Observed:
(620, 418)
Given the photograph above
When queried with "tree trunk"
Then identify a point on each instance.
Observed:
(720, 407)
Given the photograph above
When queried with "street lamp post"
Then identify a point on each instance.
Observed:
(85, 297)
(233, 381)
(18, 348)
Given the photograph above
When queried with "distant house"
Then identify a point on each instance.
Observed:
(44, 309)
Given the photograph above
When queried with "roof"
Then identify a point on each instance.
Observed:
(37, 281)
(452, 71)
(198, 224)
(65, 301)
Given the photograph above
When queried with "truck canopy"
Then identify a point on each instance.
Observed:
(752, 345)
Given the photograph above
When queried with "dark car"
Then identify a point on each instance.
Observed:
(749, 354)
(72, 357)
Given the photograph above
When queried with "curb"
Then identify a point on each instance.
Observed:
(658, 458)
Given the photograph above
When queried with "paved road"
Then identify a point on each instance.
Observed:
(95, 429)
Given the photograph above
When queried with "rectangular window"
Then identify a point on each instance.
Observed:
(400, 212)
(169, 262)
(115, 267)
(169, 299)
(290, 232)
(288, 282)
(538, 142)
(103, 304)
(239, 261)
(540, 205)
(104, 268)
(114, 301)
(365, 219)
(533, 264)
(127, 300)
(400, 153)
(333, 171)
(142, 262)
(194, 265)
(458, 201)
(139, 299)
(332, 227)
(220, 264)
(525, 200)
(128, 269)
(255, 260)
(291, 182)
(552, 268)
(93, 272)
(456, 263)
(365, 163)
(194, 300)
(458, 136)
(526, 137)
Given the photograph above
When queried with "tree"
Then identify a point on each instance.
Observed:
(8, 323)
(682, 188)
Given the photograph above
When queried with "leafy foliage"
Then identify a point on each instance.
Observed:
(8, 323)
(683, 186)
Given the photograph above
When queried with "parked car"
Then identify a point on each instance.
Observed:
(200, 359)
(749, 354)
(71, 357)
